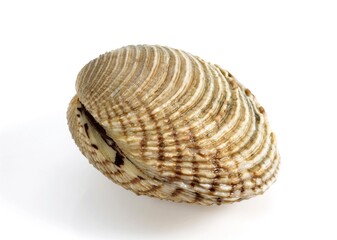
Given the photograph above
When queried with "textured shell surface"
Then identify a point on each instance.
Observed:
(164, 123)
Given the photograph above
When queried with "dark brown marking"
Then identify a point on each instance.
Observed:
(215, 183)
(178, 168)
(218, 201)
(118, 160)
(78, 115)
(105, 161)
(216, 170)
(195, 168)
(257, 118)
(161, 144)
(242, 189)
(140, 177)
(152, 189)
(108, 140)
(150, 114)
(230, 75)
(248, 92)
(86, 127)
(195, 181)
(135, 180)
(160, 157)
(198, 197)
(143, 143)
(173, 179)
(96, 125)
(176, 192)
(117, 173)
(261, 109)
(94, 146)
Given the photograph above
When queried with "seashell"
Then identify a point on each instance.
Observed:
(164, 123)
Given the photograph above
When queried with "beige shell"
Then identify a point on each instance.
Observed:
(164, 123)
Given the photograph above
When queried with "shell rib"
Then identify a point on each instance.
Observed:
(164, 123)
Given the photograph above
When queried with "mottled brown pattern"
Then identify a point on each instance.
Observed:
(164, 123)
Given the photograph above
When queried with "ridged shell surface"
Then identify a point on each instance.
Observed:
(164, 123)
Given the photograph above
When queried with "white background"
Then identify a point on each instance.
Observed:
(285, 52)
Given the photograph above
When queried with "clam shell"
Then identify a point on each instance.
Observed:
(164, 123)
